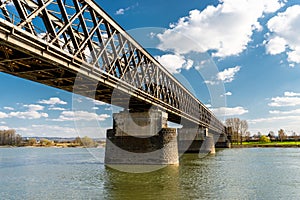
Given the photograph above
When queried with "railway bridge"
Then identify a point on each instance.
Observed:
(74, 45)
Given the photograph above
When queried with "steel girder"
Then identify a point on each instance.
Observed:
(51, 41)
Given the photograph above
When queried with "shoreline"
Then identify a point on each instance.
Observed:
(58, 147)
(267, 145)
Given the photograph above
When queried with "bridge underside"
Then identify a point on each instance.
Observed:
(32, 67)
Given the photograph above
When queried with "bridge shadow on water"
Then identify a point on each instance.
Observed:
(190, 180)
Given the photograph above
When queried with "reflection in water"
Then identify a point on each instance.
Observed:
(196, 177)
(162, 184)
(192, 179)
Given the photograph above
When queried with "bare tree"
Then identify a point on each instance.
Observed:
(281, 134)
(244, 128)
(247, 136)
(235, 124)
(9, 137)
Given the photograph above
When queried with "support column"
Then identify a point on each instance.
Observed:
(141, 139)
(223, 142)
(196, 140)
(208, 146)
(190, 139)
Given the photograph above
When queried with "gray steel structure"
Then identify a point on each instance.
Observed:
(53, 41)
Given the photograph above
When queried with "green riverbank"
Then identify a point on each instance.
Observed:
(284, 144)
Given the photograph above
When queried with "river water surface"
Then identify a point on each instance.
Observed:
(78, 173)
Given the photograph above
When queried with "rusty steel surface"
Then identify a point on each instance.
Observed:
(63, 42)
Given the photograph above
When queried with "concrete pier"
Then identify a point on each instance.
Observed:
(223, 142)
(190, 139)
(141, 139)
(208, 146)
(200, 140)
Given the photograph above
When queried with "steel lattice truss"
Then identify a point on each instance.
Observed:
(52, 41)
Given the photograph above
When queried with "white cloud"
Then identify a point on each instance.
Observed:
(4, 128)
(290, 112)
(174, 63)
(81, 116)
(289, 99)
(31, 114)
(289, 123)
(56, 108)
(226, 29)
(22, 129)
(275, 120)
(211, 82)
(227, 75)
(225, 111)
(276, 45)
(285, 28)
(226, 94)
(291, 94)
(121, 11)
(292, 65)
(47, 130)
(208, 105)
(8, 108)
(34, 107)
(3, 115)
(53, 101)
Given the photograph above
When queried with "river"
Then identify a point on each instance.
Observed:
(78, 173)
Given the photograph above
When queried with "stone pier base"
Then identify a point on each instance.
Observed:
(160, 149)
(141, 139)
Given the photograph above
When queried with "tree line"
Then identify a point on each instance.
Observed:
(9, 137)
(237, 131)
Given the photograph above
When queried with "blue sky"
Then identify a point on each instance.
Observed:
(241, 58)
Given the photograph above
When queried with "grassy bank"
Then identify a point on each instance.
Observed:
(285, 144)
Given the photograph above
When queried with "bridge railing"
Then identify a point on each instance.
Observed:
(86, 33)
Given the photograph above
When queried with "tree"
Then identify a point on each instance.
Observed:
(46, 142)
(271, 135)
(78, 141)
(295, 136)
(258, 134)
(9, 137)
(31, 141)
(281, 135)
(88, 142)
(264, 139)
(247, 136)
(234, 123)
(244, 128)
(239, 128)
